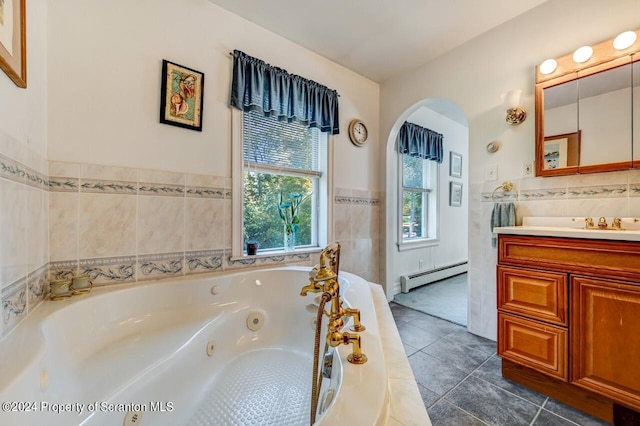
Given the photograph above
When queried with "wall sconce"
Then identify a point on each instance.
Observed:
(515, 113)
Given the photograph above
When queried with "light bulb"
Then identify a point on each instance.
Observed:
(625, 40)
(548, 66)
(582, 54)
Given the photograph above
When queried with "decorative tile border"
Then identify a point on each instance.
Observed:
(14, 304)
(103, 186)
(263, 260)
(634, 190)
(38, 285)
(357, 201)
(608, 191)
(64, 184)
(161, 189)
(157, 266)
(199, 262)
(36, 179)
(11, 169)
(62, 270)
(109, 270)
(205, 192)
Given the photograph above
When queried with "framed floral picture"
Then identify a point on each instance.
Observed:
(13, 41)
(455, 194)
(181, 96)
(455, 164)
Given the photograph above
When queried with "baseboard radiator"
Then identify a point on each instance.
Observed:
(409, 281)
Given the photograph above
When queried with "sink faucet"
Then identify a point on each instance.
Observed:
(602, 223)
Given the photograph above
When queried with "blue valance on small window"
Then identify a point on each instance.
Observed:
(420, 142)
(259, 86)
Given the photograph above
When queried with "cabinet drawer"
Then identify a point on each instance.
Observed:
(614, 259)
(540, 346)
(536, 294)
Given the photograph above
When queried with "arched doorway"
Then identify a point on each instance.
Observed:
(445, 252)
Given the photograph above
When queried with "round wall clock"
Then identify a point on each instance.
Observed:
(358, 132)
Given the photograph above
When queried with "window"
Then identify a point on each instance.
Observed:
(281, 157)
(418, 202)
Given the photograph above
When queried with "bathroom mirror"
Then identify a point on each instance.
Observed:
(561, 143)
(604, 120)
(587, 119)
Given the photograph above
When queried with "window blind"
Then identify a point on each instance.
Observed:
(288, 147)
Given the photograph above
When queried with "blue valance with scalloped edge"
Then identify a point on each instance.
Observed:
(420, 142)
(259, 86)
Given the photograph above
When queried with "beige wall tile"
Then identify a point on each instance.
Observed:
(107, 225)
(13, 229)
(158, 176)
(63, 226)
(205, 224)
(96, 171)
(160, 224)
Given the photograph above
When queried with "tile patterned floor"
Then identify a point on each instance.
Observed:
(459, 378)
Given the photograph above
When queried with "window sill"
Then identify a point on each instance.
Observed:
(277, 253)
(412, 245)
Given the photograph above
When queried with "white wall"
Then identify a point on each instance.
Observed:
(23, 111)
(476, 77)
(104, 83)
(452, 243)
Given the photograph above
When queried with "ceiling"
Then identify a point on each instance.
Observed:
(379, 38)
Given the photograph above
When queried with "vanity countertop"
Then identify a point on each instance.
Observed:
(569, 232)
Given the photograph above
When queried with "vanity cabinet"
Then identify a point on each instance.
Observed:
(569, 319)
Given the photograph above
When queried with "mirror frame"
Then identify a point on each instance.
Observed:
(604, 57)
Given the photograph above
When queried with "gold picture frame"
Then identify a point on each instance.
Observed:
(13, 41)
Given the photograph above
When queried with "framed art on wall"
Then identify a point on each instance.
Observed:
(455, 164)
(13, 41)
(455, 194)
(181, 96)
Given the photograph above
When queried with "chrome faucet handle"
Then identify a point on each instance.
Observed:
(617, 223)
(602, 222)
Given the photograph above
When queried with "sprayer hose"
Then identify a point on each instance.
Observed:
(315, 386)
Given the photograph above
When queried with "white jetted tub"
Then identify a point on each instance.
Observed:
(229, 349)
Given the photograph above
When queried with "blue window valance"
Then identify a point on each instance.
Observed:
(259, 86)
(420, 142)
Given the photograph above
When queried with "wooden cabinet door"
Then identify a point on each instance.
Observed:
(540, 295)
(534, 344)
(605, 338)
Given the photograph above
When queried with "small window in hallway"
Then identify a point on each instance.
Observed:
(418, 187)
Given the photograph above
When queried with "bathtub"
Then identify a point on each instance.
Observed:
(224, 349)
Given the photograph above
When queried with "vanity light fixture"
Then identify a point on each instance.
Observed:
(624, 40)
(582, 54)
(515, 113)
(548, 66)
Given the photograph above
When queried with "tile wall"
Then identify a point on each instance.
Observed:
(615, 194)
(357, 228)
(122, 225)
(24, 254)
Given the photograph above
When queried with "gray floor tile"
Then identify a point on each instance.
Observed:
(491, 404)
(409, 350)
(491, 371)
(445, 414)
(459, 356)
(570, 413)
(546, 418)
(472, 341)
(414, 336)
(436, 325)
(403, 314)
(445, 299)
(428, 396)
(434, 374)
